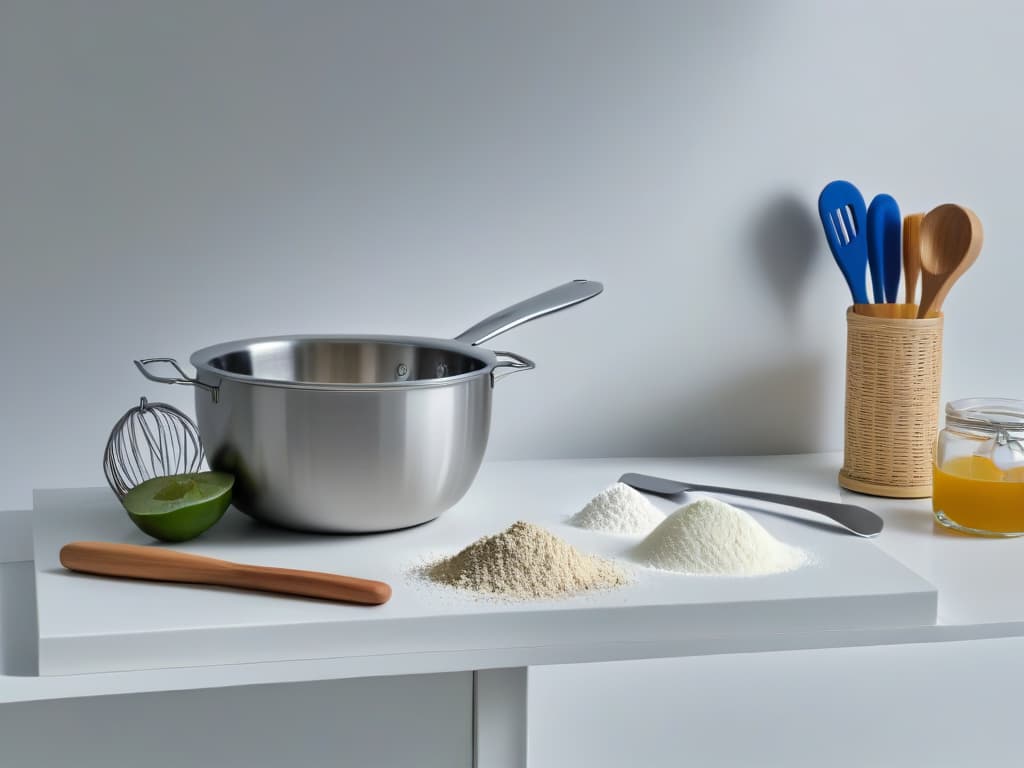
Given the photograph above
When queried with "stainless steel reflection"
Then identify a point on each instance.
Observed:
(554, 300)
(367, 461)
(352, 434)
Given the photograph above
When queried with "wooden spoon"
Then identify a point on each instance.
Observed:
(135, 562)
(951, 239)
(911, 255)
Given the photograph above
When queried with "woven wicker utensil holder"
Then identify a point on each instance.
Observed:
(893, 375)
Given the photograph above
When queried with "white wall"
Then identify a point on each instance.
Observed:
(176, 174)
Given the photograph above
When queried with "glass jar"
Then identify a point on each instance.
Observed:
(978, 473)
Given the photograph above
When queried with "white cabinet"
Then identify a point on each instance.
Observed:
(421, 720)
(933, 705)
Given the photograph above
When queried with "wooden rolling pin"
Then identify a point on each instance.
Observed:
(134, 562)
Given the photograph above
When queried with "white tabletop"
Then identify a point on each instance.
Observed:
(95, 624)
(977, 577)
(975, 580)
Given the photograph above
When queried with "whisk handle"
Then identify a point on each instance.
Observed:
(181, 378)
(156, 564)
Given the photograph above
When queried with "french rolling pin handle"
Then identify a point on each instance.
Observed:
(131, 561)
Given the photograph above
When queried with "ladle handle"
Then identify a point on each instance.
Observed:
(131, 561)
(562, 297)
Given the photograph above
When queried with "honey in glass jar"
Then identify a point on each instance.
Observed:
(978, 481)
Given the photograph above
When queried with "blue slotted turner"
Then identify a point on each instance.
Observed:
(842, 212)
(885, 241)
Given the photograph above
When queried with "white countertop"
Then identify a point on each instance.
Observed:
(96, 624)
(977, 577)
(974, 577)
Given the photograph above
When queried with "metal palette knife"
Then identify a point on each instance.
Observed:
(857, 520)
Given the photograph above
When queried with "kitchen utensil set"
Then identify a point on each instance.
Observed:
(937, 247)
(894, 350)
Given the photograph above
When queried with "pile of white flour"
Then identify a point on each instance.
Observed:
(711, 537)
(619, 509)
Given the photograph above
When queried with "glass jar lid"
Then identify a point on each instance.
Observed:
(988, 414)
(998, 421)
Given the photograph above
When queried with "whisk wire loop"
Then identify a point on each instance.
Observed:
(151, 440)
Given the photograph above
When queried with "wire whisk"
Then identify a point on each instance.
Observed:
(151, 440)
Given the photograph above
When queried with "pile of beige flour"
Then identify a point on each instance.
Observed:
(711, 537)
(525, 562)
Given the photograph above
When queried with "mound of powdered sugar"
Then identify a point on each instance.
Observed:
(525, 562)
(711, 537)
(619, 509)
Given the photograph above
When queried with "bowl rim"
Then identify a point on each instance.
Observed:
(208, 373)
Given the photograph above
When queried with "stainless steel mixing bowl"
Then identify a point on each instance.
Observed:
(352, 434)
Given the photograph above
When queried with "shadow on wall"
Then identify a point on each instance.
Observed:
(785, 240)
(769, 410)
(764, 407)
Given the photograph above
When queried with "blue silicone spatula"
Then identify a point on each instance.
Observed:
(885, 241)
(842, 212)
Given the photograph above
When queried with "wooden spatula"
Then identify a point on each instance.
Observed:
(911, 255)
(153, 563)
